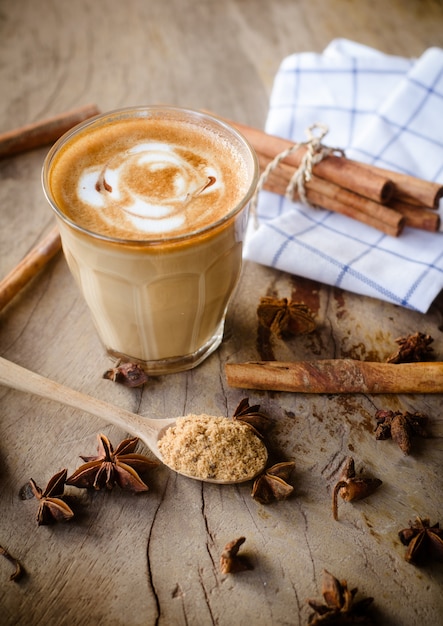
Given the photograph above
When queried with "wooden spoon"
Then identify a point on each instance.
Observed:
(147, 429)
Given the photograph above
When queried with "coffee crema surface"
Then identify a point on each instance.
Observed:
(147, 178)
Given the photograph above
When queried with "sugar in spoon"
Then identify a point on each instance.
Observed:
(148, 430)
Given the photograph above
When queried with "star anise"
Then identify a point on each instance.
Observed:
(128, 374)
(271, 484)
(230, 561)
(339, 605)
(352, 488)
(423, 540)
(52, 508)
(413, 348)
(401, 427)
(112, 467)
(250, 415)
(285, 317)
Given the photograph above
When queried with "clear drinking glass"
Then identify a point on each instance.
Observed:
(159, 299)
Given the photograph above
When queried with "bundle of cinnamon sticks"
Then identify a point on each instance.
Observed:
(380, 198)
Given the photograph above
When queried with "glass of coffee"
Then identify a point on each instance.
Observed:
(152, 204)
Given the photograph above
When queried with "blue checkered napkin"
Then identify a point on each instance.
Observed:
(380, 109)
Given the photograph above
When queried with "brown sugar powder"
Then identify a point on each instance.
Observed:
(213, 448)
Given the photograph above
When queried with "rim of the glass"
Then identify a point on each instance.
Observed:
(139, 111)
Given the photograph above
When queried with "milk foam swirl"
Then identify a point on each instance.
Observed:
(154, 186)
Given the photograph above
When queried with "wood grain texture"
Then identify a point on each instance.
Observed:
(154, 559)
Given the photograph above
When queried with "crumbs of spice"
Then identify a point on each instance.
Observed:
(215, 448)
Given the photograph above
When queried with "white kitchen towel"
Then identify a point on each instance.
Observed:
(380, 109)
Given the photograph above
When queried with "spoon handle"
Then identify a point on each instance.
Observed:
(21, 379)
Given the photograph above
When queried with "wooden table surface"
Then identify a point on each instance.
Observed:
(154, 558)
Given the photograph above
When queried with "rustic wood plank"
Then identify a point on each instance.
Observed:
(154, 559)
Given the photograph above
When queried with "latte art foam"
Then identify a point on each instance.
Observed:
(149, 187)
(148, 178)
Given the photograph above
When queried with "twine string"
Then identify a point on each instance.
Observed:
(314, 153)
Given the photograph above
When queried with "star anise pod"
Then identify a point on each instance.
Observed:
(412, 348)
(339, 605)
(349, 487)
(230, 561)
(250, 415)
(271, 484)
(52, 508)
(128, 374)
(423, 540)
(285, 317)
(401, 427)
(112, 467)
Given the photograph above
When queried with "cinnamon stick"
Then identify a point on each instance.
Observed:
(392, 224)
(412, 190)
(30, 265)
(43, 132)
(337, 376)
(417, 216)
(341, 171)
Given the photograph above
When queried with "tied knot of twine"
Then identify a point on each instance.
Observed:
(314, 153)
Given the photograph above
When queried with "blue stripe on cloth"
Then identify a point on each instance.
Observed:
(292, 128)
(334, 71)
(353, 110)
